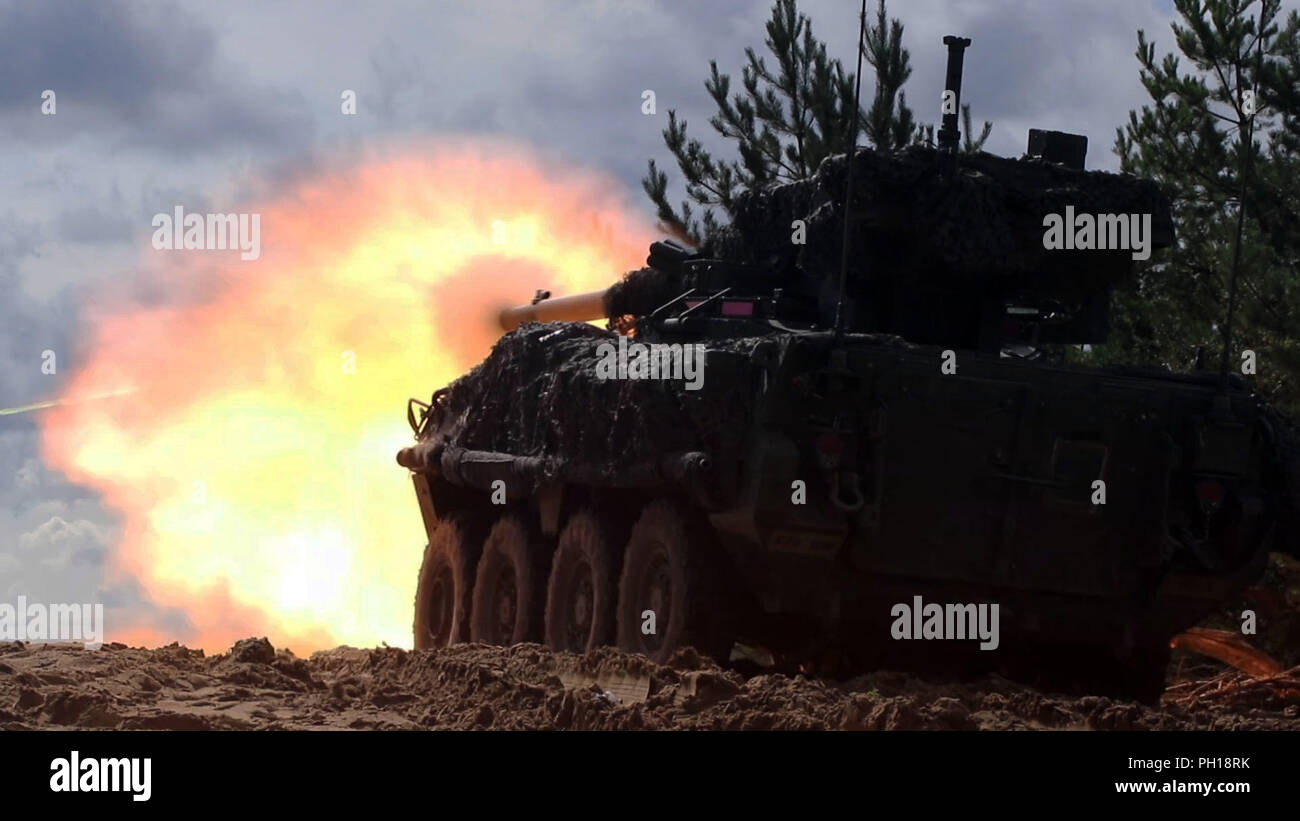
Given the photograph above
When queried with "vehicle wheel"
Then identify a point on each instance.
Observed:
(1143, 674)
(442, 596)
(1091, 670)
(583, 587)
(665, 579)
(509, 587)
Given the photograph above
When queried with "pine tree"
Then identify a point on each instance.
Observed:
(794, 112)
(1196, 140)
(889, 123)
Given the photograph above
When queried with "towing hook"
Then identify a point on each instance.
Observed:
(847, 480)
(410, 414)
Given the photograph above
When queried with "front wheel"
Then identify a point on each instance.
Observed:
(442, 595)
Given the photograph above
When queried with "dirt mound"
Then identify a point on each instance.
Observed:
(527, 687)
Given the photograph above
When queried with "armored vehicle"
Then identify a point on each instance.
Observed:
(785, 460)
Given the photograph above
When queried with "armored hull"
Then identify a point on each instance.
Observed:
(812, 483)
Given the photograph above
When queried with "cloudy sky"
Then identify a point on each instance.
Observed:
(166, 102)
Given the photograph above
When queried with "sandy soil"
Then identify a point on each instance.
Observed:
(255, 686)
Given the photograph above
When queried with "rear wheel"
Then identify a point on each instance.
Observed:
(1090, 669)
(509, 585)
(663, 592)
(583, 587)
(442, 595)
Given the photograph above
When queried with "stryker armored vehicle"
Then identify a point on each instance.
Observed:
(768, 452)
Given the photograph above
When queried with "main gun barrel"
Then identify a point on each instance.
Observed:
(575, 308)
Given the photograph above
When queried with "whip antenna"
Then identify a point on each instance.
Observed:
(848, 187)
(1243, 172)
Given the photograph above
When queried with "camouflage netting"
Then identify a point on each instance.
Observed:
(537, 394)
(983, 225)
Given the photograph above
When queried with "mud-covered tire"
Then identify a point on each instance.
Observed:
(446, 581)
(666, 567)
(509, 586)
(582, 592)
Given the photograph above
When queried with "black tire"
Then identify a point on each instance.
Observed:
(583, 587)
(446, 582)
(1141, 676)
(510, 585)
(666, 568)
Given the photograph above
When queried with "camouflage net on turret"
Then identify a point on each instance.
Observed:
(983, 225)
(918, 235)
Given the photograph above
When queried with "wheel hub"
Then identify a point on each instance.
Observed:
(441, 605)
(658, 593)
(581, 607)
(503, 606)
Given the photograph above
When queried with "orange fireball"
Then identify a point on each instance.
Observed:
(252, 460)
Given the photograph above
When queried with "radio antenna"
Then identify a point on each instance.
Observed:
(1243, 172)
(848, 186)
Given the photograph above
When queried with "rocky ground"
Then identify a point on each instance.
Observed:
(527, 687)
